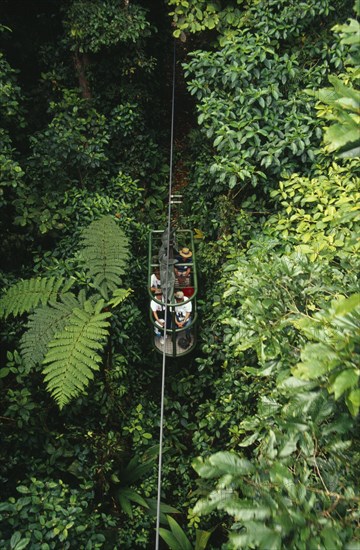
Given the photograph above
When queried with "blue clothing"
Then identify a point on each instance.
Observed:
(181, 260)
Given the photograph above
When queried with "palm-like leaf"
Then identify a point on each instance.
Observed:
(105, 252)
(74, 353)
(42, 326)
(176, 538)
(26, 295)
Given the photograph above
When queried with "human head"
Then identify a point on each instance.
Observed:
(158, 292)
(179, 295)
(185, 252)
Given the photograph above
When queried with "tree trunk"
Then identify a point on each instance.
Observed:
(81, 62)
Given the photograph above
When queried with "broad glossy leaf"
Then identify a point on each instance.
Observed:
(230, 463)
(179, 534)
(202, 538)
(345, 380)
(170, 539)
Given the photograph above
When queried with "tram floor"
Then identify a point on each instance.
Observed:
(169, 345)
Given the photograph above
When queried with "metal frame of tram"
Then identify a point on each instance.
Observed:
(174, 335)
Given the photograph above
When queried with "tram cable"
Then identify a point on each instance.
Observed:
(163, 371)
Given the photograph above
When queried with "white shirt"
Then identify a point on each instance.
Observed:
(181, 311)
(156, 307)
(154, 281)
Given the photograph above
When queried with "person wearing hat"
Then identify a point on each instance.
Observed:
(183, 266)
(158, 311)
(182, 312)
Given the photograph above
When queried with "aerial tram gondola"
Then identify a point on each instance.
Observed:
(178, 283)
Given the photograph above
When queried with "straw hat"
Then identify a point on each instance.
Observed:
(185, 252)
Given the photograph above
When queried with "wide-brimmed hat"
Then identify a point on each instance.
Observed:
(185, 252)
(179, 294)
(158, 291)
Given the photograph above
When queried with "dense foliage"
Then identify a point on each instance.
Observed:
(261, 421)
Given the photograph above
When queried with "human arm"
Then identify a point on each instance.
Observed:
(180, 324)
(155, 311)
(182, 314)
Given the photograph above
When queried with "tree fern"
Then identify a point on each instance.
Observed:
(42, 326)
(74, 353)
(26, 295)
(66, 334)
(105, 253)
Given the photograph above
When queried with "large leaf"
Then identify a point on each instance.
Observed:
(165, 509)
(222, 463)
(26, 295)
(126, 496)
(345, 380)
(176, 539)
(42, 326)
(75, 352)
(170, 539)
(202, 539)
(105, 254)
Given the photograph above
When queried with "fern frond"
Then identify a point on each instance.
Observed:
(26, 295)
(74, 353)
(105, 253)
(119, 295)
(42, 326)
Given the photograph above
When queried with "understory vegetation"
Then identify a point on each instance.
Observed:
(261, 424)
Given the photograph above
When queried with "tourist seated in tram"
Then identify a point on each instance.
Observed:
(183, 267)
(155, 282)
(182, 312)
(158, 311)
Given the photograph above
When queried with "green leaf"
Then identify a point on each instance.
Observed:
(347, 305)
(170, 539)
(26, 295)
(74, 353)
(125, 505)
(105, 253)
(230, 463)
(338, 135)
(119, 295)
(179, 534)
(132, 495)
(42, 326)
(354, 397)
(245, 511)
(164, 509)
(15, 539)
(329, 536)
(202, 539)
(258, 536)
(4, 371)
(22, 544)
(23, 489)
(218, 140)
(345, 380)
(249, 440)
(232, 181)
